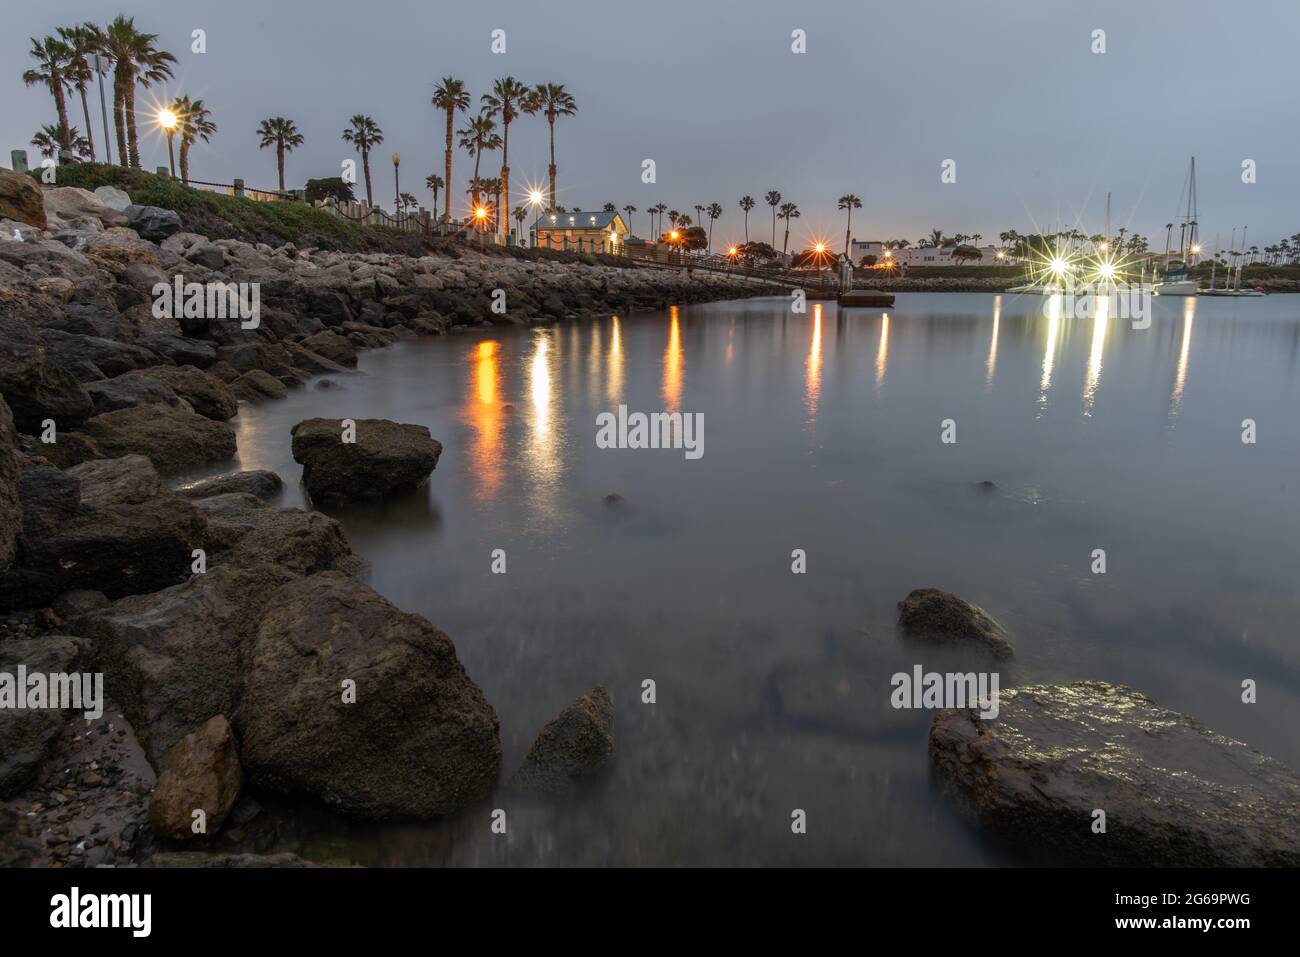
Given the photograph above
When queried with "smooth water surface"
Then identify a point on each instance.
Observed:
(822, 433)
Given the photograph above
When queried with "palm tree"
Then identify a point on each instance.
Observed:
(554, 101)
(936, 238)
(50, 140)
(365, 135)
(406, 201)
(629, 209)
(135, 60)
(520, 215)
(789, 211)
(476, 139)
(507, 98)
(609, 208)
(673, 217)
(747, 203)
(699, 213)
(284, 135)
(683, 221)
(714, 210)
(450, 95)
(53, 58)
(195, 121)
(659, 210)
(83, 42)
(435, 183)
(773, 198)
(849, 202)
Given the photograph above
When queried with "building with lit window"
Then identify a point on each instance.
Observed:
(588, 232)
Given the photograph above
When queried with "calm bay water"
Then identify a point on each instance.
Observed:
(822, 432)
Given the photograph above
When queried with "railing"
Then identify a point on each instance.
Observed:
(671, 258)
(237, 188)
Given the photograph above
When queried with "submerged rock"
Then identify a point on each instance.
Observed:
(571, 748)
(201, 772)
(387, 457)
(1175, 794)
(417, 739)
(939, 616)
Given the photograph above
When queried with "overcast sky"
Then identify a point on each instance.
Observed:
(1039, 126)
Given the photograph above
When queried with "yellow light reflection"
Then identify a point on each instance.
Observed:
(673, 362)
(614, 374)
(539, 385)
(487, 420)
(814, 365)
(991, 362)
(1093, 375)
(882, 353)
(1049, 354)
(543, 456)
(1180, 378)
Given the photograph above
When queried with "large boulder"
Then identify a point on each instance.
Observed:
(113, 198)
(571, 748)
(92, 357)
(151, 222)
(1174, 793)
(417, 738)
(200, 773)
(255, 385)
(20, 199)
(27, 735)
(386, 457)
(106, 525)
(172, 658)
(174, 439)
(941, 617)
(35, 387)
(206, 394)
(130, 389)
(11, 515)
(242, 529)
(332, 346)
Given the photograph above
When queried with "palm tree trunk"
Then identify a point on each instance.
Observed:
(551, 121)
(119, 116)
(185, 161)
(365, 164)
(773, 227)
(132, 135)
(279, 160)
(848, 228)
(746, 227)
(505, 176)
(446, 207)
(785, 242)
(90, 133)
(61, 104)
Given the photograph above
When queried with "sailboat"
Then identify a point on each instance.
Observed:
(1175, 279)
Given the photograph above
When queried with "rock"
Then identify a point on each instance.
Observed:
(180, 350)
(173, 439)
(615, 500)
(151, 222)
(131, 389)
(191, 859)
(243, 530)
(1175, 793)
(332, 346)
(11, 515)
(113, 198)
(68, 449)
(105, 525)
(27, 735)
(35, 387)
(201, 772)
(263, 483)
(73, 604)
(172, 658)
(420, 740)
(934, 615)
(256, 384)
(572, 747)
(386, 457)
(20, 199)
(207, 255)
(206, 394)
(91, 357)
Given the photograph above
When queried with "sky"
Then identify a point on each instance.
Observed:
(1039, 126)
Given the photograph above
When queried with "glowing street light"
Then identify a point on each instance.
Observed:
(169, 121)
(397, 187)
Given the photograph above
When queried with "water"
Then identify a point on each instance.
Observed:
(822, 432)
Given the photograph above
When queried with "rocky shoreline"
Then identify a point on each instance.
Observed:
(244, 658)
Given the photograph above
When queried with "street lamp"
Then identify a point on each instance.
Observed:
(167, 120)
(535, 200)
(480, 223)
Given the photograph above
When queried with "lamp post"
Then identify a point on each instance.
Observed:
(167, 120)
(535, 200)
(480, 223)
(397, 188)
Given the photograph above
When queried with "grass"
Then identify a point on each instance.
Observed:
(219, 216)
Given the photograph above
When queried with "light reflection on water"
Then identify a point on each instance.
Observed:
(689, 583)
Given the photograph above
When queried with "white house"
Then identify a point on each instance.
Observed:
(921, 256)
